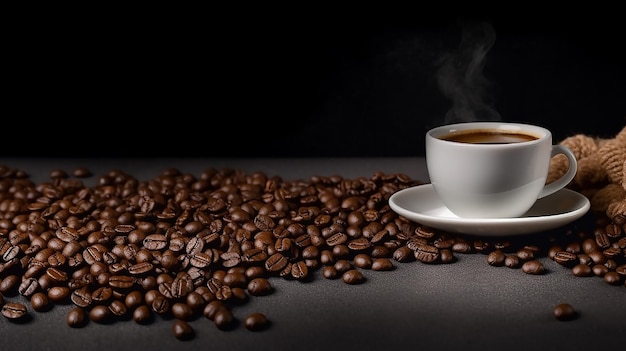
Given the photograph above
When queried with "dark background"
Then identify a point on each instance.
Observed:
(303, 82)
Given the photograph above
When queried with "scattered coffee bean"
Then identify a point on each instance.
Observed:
(142, 314)
(363, 261)
(59, 294)
(330, 272)
(564, 312)
(39, 301)
(14, 310)
(260, 286)
(512, 261)
(9, 284)
(353, 277)
(195, 301)
(81, 172)
(582, 270)
(77, 317)
(133, 299)
(224, 318)
(118, 308)
(182, 311)
(599, 270)
(426, 253)
(382, 264)
(612, 278)
(343, 265)
(403, 254)
(525, 254)
(256, 321)
(446, 256)
(533, 267)
(182, 330)
(496, 258)
(100, 314)
(211, 308)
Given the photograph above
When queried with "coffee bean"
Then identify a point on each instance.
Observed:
(533, 267)
(9, 284)
(462, 247)
(67, 234)
(425, 232)
(602, 239)
(342, 265)
(512, 261)
(14, 310)
(142, 314)
(299, 270)
(81, 297)
(525, 254)
(599, 270)
(76, 317)
(341, 251)
(28, 287)
(59, 294)
(582, 270)
(362, 243)
(446, 256)
(403, 254)
(496, 258)
(565, 258)
(481, 245)
(160, 304)
(224, 318)
(362, 261)
(353, 277)
(57, 274)
(118, 308)
(140, 268)
(235, 279)
(182, 330)
(155, 242)
(612, 278)
(427, 253)
(101, 295)
(9, 252)
(181, 311)
(380, 251)
(211, 308)
(256, 321)
(100, 314)
(39, 301)
(276, 262)
(133, 299)
(382, 264)
(81, 172)
(330, 272)
(564, 312)
(195, 301)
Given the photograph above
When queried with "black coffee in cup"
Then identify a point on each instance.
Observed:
(488, 136)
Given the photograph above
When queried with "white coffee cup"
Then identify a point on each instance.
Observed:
(502, 179)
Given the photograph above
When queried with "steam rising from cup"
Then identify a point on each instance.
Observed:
(460, 76)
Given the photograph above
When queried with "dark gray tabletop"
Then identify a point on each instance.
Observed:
(464, 305)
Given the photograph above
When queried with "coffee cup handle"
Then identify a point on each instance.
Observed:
(567, 177)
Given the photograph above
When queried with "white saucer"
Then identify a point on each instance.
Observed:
(422, 205)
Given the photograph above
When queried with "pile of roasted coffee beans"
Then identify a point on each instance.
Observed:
(197, 246)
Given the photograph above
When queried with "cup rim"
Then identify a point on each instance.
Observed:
(540, 132)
